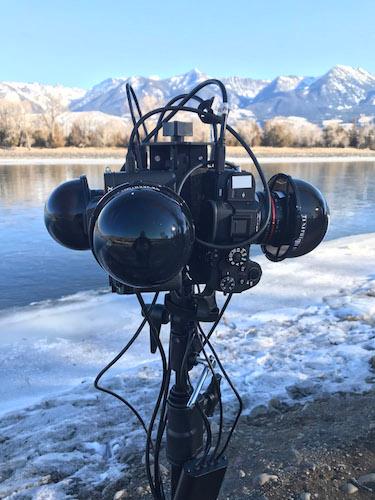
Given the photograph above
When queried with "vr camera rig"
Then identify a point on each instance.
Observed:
(178, 216)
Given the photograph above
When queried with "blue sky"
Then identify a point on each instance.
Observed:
(82, 42)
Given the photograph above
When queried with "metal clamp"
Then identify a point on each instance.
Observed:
(194, 396)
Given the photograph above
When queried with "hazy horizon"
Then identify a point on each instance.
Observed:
(200, 70)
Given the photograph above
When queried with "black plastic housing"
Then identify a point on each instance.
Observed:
(142, 234)
(201, 482)
(67, 211)
(299, 221)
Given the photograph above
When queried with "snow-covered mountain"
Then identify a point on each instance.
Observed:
(109, 96)
(37, 97)
(342, 93)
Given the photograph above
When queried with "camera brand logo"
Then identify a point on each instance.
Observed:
(298, 241)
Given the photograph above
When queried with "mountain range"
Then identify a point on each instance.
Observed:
(343, 93)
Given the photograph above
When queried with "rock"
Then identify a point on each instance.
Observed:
(242, 473)
(305, 496)
(264, 478)
(349, 488)
(47, 479)
(120, 494)
(372, 362)
(367, 478)
(302, 390)
(259, 411)
(278, 405)
(294, 456)
(309, 465)
(5, 474)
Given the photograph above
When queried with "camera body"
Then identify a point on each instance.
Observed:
(224, 206)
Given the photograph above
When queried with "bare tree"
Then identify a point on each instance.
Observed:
(291, 131)
(276, 135)
(366, 137)
(14, 125)
(53, 109)
(250, 131)
(335, 136)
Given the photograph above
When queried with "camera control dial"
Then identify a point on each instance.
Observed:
(227, 284)
(237, 256)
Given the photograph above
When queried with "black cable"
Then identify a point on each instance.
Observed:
(156, 492)
(131, 110)
(208, 433)
(194, 91)
(114, 360)
(161, 426)
(177, 98)
(213, 327)
(187, 351)
(217, 387)
(188, 174)
(138, 108)
(253, 238)
(131, 96)
(207, 426)
(163, 109)
(169, 103)
(193, 169)
(265, 223)
(188, 347)
(240, 404)
(186, 354)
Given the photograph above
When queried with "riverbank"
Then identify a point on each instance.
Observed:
(300, 349)
(70, 155)
(321, 450)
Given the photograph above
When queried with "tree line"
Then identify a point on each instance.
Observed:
(19, 128)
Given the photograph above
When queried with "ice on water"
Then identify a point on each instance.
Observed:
(307, 329)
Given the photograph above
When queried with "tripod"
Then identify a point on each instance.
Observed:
(187, 412)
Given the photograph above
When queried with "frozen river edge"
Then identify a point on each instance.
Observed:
(305, 333)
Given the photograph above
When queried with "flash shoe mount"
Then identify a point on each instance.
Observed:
(181, 219)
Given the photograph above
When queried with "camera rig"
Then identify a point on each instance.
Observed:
(179, 218)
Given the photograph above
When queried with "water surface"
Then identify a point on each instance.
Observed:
(33, 267)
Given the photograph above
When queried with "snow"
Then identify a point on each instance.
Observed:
(306, 330)
(342, 92)
(39, 95)
(90, 120)
(109, 160)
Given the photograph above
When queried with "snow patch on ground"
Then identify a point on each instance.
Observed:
(307, 329)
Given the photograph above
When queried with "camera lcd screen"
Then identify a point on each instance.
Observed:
(242, 181)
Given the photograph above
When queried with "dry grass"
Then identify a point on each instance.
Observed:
(72, 152)
(66, 152)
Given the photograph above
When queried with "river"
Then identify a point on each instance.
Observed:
(34, 268)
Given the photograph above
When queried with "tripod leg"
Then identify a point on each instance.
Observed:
(176, 473)
(184, 429)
